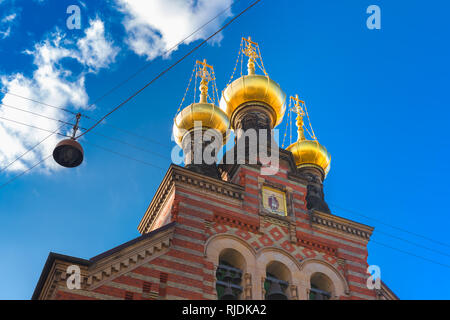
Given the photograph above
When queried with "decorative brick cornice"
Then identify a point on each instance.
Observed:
(178, 176)
(236, 222)
(313, 244)
(212, 185)
(337, 224)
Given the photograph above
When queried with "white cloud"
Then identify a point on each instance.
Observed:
(50, 83)
(9, 18)
(6, 33)
(155, 26)
(96, 51)
(6, 23)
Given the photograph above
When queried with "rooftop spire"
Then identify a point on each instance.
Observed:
(298, 109)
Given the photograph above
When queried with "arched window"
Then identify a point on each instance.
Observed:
(277, 281)
(229, 275)
(321, 287)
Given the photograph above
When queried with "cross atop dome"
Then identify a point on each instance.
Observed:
(251, 51)
(298, 109)
(205, 73)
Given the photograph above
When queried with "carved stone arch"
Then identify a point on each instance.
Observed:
(278, 252)
(217, 243)
(221, 242)
(268, 255)
(311, 266)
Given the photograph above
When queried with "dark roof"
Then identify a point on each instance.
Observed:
(78, 261)
(48, 265)
(389, 289)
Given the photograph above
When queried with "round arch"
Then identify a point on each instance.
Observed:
(266, 256)
(227, 243)
(216, 244)
(309, 267)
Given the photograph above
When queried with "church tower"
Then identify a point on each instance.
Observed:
(312, 160)
(225, 228)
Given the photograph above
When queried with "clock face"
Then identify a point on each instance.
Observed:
(274, 201)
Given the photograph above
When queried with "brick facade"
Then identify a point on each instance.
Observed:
(193, 218)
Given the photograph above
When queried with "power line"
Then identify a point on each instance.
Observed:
(39, 102)
(31, 126)
(88, 143)
(136, 135)
(68, 123)
(24, 172)
(29, 150)
(410, 253)
(96, 133)
(56, 132)
(94, 145)
(124, 155)
(145, 66)
(130, 145)
(413, 243)
(35, 113)
(81, 128)
(391, 226)
(169, 68)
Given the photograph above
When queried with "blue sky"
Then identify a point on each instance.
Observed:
(378, 100)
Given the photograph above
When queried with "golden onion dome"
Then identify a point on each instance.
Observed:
(254, 88)
(310, 153)
(307, 152)
(210, 116)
